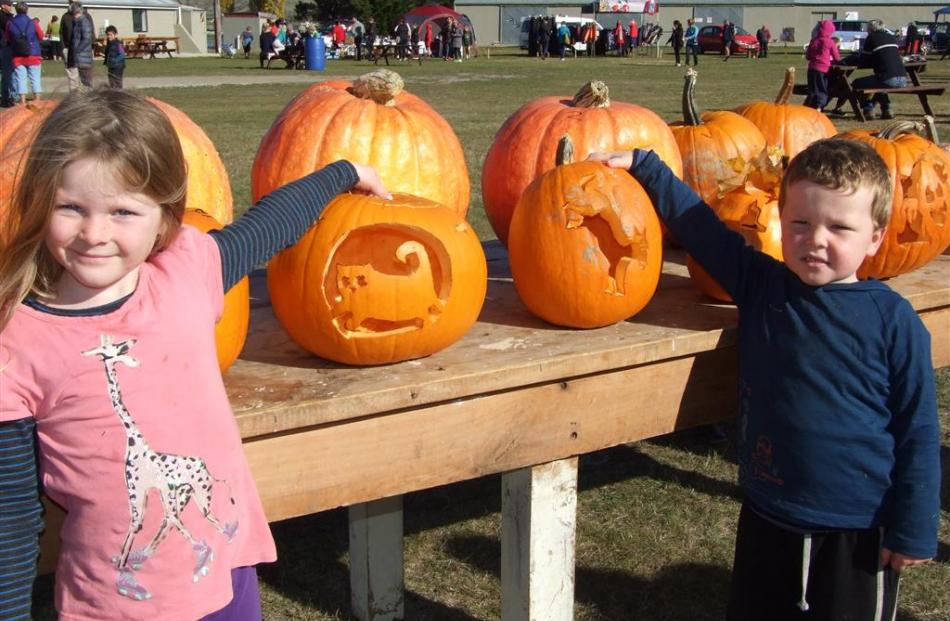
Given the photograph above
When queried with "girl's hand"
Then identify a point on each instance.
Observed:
(615, 159)
(899, 561)
(370, 182)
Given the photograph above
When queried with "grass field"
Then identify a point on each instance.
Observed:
(656, 518)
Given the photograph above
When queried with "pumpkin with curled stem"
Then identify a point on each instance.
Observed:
(790, 126)
(373, 121)
(525, 146)
(378, 281)
(209, 187)
(231, 330)
(919, 226)
(709, 142)
(585, 246)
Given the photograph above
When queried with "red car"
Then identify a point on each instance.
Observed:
(710, 41)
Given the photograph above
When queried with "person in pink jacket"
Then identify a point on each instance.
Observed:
(821, 52)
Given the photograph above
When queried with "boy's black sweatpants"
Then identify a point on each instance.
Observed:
(841, 571)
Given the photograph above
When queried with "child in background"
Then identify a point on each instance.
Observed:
(115, 57)
(821, 52)
(839, 444)
(107, 354)
(247, 39)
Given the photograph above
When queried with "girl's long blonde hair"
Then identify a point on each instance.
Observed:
(115, 127)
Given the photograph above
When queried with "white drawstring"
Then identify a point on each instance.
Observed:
(806, 565)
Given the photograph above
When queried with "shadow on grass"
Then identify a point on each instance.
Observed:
(611, 594)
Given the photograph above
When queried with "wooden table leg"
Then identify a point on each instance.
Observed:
(539, 513)
(925, 104)
(376, 560)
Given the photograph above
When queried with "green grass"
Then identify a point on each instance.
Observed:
(656, 519)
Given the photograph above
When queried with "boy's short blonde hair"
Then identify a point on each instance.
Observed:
(837, 164)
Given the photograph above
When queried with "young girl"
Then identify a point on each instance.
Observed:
(821, 52)
(107, 313)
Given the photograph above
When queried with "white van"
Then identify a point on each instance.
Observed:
(576, 23)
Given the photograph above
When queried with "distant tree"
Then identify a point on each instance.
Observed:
(307, 12)
(386, 12)
(268, 6)
(227, 6)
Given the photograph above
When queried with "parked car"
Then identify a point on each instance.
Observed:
(710, 41)
(850, 33)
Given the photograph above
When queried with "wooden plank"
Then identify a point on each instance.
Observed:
(276, 386)
(539, 515)
(376, 560)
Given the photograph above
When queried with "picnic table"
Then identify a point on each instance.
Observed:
(141, 46)
(839, 85)
(515, 396)
(386, 49)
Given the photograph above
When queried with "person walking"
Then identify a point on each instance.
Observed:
(691, 41)
(728, 36)
(22, 35)
(676, 40)
(763, 35)
(564, 39)
(247, 39)
(633, 35)
(544, 39)
(619, 39)
(115, 56)
(821, 52)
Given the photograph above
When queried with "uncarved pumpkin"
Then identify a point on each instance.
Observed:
(919, 227)
(526, 145)
(790, 126)
(708, 143)
(209, 188)
(585, 246)
(378, 281)
(369, 121)
(231, 329)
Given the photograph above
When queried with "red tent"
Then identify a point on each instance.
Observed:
(437, 14)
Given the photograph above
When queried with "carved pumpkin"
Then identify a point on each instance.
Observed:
(707, 143)
(525, 147)
(748, 204)
(209, 188)
(754, 214)
(585, 246)
(370, 121)
(919, 228)
(790, 126)
(380, 281)
(231, 330)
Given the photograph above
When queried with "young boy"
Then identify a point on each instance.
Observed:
(838, 433)
(115, 57)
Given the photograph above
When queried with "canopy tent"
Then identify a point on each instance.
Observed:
(439, 16)
(944, 12)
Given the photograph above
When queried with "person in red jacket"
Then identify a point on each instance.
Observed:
(633, 35)
(619, 39)
(338, 34)
(428, 38)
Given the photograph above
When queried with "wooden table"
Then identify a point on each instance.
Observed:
(385, 50)
(839, 85)
(516, 396)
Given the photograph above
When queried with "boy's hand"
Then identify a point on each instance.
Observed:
(370, 182)
(899, 561)
(616, 159)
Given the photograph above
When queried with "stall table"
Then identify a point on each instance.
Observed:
(514, 396)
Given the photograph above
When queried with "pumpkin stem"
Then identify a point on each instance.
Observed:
(594, 94)
(382, 86)
(894, 130)
(931, 129)
(786, 91)
(565, 151)
(690, 114)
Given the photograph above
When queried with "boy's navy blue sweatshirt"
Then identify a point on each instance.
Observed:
(838, 415)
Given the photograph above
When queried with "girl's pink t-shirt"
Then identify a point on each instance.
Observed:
(135, 431)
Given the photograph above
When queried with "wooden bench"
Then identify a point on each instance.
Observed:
(294, 57)
(922, 91)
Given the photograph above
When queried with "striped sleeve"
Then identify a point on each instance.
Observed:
(279, 219)
(21, 519)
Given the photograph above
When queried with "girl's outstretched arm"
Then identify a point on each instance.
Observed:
(21, 518)
(280, 219)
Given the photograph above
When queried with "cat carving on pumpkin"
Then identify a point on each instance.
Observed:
(367, 294)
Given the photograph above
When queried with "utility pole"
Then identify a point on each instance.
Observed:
(217, 26)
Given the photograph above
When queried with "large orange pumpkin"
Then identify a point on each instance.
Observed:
(754, 214)
(231, 330)
(17, 127)
(525, 147)
(790, 126)
(370, 121)
(708, 143)
(378, 281)
(585, 246)
(919, 228)
(209, 188)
